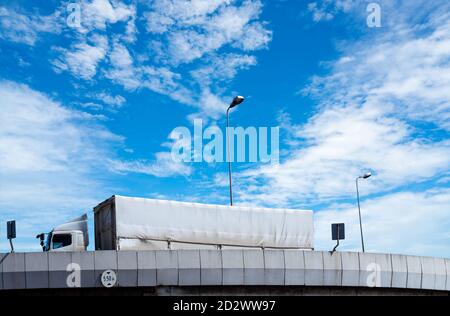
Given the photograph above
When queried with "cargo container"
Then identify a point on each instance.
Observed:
(127, 223)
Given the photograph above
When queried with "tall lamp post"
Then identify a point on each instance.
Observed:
(236, 101)
(365, 176)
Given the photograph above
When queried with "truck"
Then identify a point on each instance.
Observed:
(130, 223)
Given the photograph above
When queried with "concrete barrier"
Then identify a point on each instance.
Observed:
(375, 270)
(127, 265)
(399, 271)
(253, 267)
(86, 262)
(441, 274)
(384, 263)
(294, 262)
(414, 272)
(428, 273)
(447, 268)
(104, 260)
(350, 268)
(211, 267)
(166, 267)
(146, 268)
(274, 267)
(1, 270)
(313, 268)
(14, 271)
(332, 269)
(174, 270)
(233, 267)
(58, 264)
(36, 270)
(189, 267)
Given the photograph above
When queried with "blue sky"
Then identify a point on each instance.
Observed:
(86, 112)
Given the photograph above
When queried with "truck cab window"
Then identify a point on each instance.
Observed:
(62, 240)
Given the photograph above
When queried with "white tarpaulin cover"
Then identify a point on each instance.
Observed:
(146, 219)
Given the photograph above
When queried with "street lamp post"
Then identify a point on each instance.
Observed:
(236, 101)
(365, 176)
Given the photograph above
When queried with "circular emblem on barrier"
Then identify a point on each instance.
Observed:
(109, 278)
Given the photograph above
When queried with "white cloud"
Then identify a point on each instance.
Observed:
(405, 73)
(26, 28)
(97, 14)
(339, 144)
(131, 75)
(325, 10)
(415, 223)
(83, 58)
(370, 115)
(197, 28)
(122, 70)
(187, 31)
(112, 100)
(49, 160)
(163, 166)
(166, 14)
(222, 67)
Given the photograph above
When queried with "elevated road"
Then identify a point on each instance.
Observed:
(167, 272)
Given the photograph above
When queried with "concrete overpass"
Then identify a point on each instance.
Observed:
(223, 272)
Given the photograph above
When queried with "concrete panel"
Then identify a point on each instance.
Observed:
(332, 269)
(58, 263)
(166, 267)
(447, 268)
(375, 270)
(384, 263)
(211, 267)
(127, 268)
(146, 268)
(1, 270)
(428, 273)
(233, 267)
(414, 272)
(104, 260)
(253, 267)
(350, 268)
(294, 262)
(86, 262)
(189, 267)
(14, 271)
(368, 271)
(399, 271)
(313, 268)
(36, 268)
(441, 275)
(274, 267)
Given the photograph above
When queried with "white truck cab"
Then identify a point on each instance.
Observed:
(71, 236)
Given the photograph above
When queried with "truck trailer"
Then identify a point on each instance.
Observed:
(128, 223)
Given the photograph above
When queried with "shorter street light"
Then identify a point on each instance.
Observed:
(365, 176)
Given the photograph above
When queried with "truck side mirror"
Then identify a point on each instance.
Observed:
(41, 239)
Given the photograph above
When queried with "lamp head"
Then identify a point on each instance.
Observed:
(366, 175)
(236, 101)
